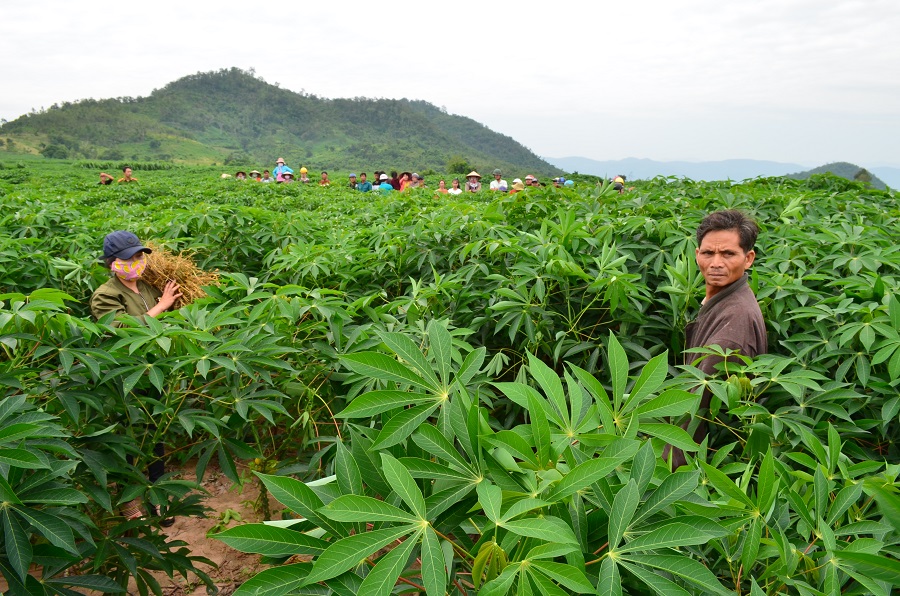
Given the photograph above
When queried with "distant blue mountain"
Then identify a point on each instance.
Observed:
(889, 175)
(644, 169)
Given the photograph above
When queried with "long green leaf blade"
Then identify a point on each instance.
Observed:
(403, 484)
(270, 540)
(384, 368)
(684, 567)
(440, 344)
(403, 346)
(349, 552)
(609, 582)
(300, 499)
(651, 377)
(383, 577)
(588, 472)
(667, 536)
(624, 506)
(373, 403)
(434, 572)
(402, 425)
(276, 581)
(354, 508)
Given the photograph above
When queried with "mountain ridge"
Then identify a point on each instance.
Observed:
(231, 116)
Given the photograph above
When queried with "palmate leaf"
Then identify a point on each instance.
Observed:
(276, 581)
(348, 552)
(270, 540)
(383, 577)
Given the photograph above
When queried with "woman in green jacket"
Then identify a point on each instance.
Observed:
(127, 293)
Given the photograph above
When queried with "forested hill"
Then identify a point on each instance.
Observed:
(844, 170)
(231, 116)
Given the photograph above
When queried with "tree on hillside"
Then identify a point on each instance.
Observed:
(863, 176)
(458, 164)
(54, 151)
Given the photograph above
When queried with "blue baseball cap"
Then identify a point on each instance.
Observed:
(122, 244)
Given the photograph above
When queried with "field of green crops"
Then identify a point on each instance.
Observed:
(452, 395)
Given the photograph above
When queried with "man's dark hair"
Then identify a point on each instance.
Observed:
(730, 219)
(126, 168)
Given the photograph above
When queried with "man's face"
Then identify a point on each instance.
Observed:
(721, 259)
(127, 172)
(497, 177)
(362, 177)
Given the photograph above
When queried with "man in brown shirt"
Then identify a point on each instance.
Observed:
(730, 316)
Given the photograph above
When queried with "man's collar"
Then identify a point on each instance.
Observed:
(725, 292)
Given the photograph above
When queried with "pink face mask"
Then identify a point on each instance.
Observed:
(131, 269)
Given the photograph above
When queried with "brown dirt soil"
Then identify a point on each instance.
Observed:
(235, 567)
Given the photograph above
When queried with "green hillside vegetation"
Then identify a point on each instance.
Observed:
(844, 170)
(231, 116)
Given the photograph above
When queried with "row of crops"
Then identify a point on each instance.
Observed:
(453, 394)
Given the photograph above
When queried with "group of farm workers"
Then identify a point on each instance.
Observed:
(729, 317)
(397, 181)
(281, 173)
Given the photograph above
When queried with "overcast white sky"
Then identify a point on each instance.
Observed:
(803, 81)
